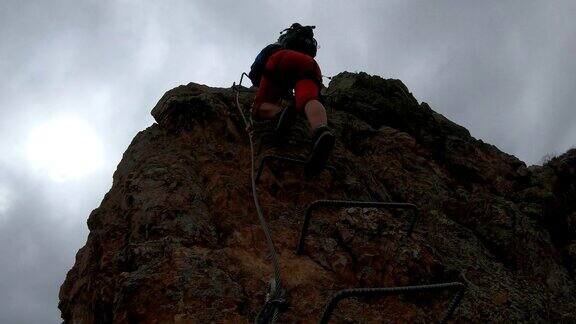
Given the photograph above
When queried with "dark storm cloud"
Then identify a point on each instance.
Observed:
(503, 69)
(38, 243)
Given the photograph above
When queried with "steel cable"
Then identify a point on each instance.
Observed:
(275, 297)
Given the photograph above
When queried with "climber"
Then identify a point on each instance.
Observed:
(289, 65)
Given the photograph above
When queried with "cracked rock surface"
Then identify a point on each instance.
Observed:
(177, 239)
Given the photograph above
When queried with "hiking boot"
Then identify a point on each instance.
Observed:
(323, 143)
(286, 118)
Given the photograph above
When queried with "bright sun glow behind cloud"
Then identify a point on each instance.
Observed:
(64, 149)
(5, 200)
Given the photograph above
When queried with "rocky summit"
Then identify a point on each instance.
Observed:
(177, 238)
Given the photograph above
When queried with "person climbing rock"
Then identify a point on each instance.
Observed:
(288, 65)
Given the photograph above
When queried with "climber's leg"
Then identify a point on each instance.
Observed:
(286, 119)
(266, 110)
(323, 144)
(266, 107)
(266, 101)
(316, 114)
(322, 138)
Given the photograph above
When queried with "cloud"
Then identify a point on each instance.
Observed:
(504, 70)
(38, 241)
(5, 202)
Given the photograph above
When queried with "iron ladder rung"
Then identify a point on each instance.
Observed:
(352, 203)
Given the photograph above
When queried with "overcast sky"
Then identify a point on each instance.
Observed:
(79, 79)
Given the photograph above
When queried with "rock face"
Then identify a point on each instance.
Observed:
(177, 239)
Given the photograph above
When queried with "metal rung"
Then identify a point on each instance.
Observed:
(380, 292)
(237, 86)
(350, 203)
(284, 159)
(271, 136)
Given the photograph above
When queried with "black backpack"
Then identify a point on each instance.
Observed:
(296, 37)
(299, 38)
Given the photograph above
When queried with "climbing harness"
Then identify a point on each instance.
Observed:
(276, 296)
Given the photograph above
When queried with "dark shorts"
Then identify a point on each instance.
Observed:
(287, 70)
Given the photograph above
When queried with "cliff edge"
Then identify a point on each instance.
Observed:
(177, 239)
